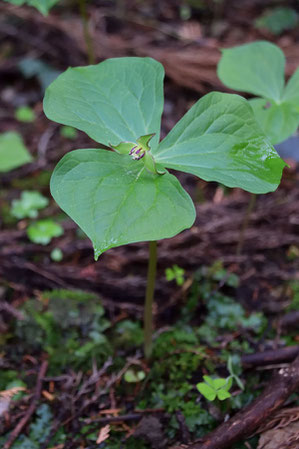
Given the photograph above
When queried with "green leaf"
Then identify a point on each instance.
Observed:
(13, 153)
(132, 376)
(219, 140)
(56, 255)
(115, 101)
(25, 114)
(291, 92)
(223, 394)
(278, 121)
(257, 68)
(219, 383)
(208, 392)
(43, 231)
(278, 19)
(43, 6)
(121, 202)
(28, 205)
(68, 132)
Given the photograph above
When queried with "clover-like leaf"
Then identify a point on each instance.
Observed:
(115, 101)
(29, 204)
(258, 68)
(223, 394)
(219, 140)
(42, 231)
(207, 391)
(116, 201)
(13, 153)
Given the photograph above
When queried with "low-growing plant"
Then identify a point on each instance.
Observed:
(13, 152)
(258, 68)
(68, 132)
(127, 195)
(215, 388)
(43, 231)
(28, 205)
(175, 273)
(56, 255)
(25, 114)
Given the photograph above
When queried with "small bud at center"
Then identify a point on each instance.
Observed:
(137, 153)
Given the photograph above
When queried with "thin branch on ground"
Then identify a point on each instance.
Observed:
(20, 426)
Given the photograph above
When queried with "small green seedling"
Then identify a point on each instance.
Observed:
(13, 153)
(25, 114)
(134, 376)
(127, 195)
(42, 231)
(258, 68)
(175, 273)
(68, 132)
(28, 205)
(43, 6)
(234, 369)
(213, 388)
(56, 255)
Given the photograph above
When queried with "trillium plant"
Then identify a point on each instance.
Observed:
(127, 194)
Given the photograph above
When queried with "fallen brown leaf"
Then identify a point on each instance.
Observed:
(103, 434)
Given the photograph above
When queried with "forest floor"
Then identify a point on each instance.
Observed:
(72, 370)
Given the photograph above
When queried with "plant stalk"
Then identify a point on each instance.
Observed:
(149, 296)
(86, 33)
(245, 223)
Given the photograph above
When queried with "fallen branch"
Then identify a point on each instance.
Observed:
(281, 355)
(245, 422)
(20, 426)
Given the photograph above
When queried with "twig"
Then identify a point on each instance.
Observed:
(20, 426)
(280, 355)
(245, 422)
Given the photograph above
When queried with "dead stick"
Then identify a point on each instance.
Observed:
(31, 409)
(286, 354)
(245, 422)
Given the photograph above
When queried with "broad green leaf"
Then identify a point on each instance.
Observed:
(291, 92)
(219, 140)
(116, 201)
(278, 121)
(278, 19)
(207, 391)
(115, 101)
(257, 68)
(13, 153)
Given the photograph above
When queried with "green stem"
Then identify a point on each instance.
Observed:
(87, 36)
(149, 296)
(245, 223)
